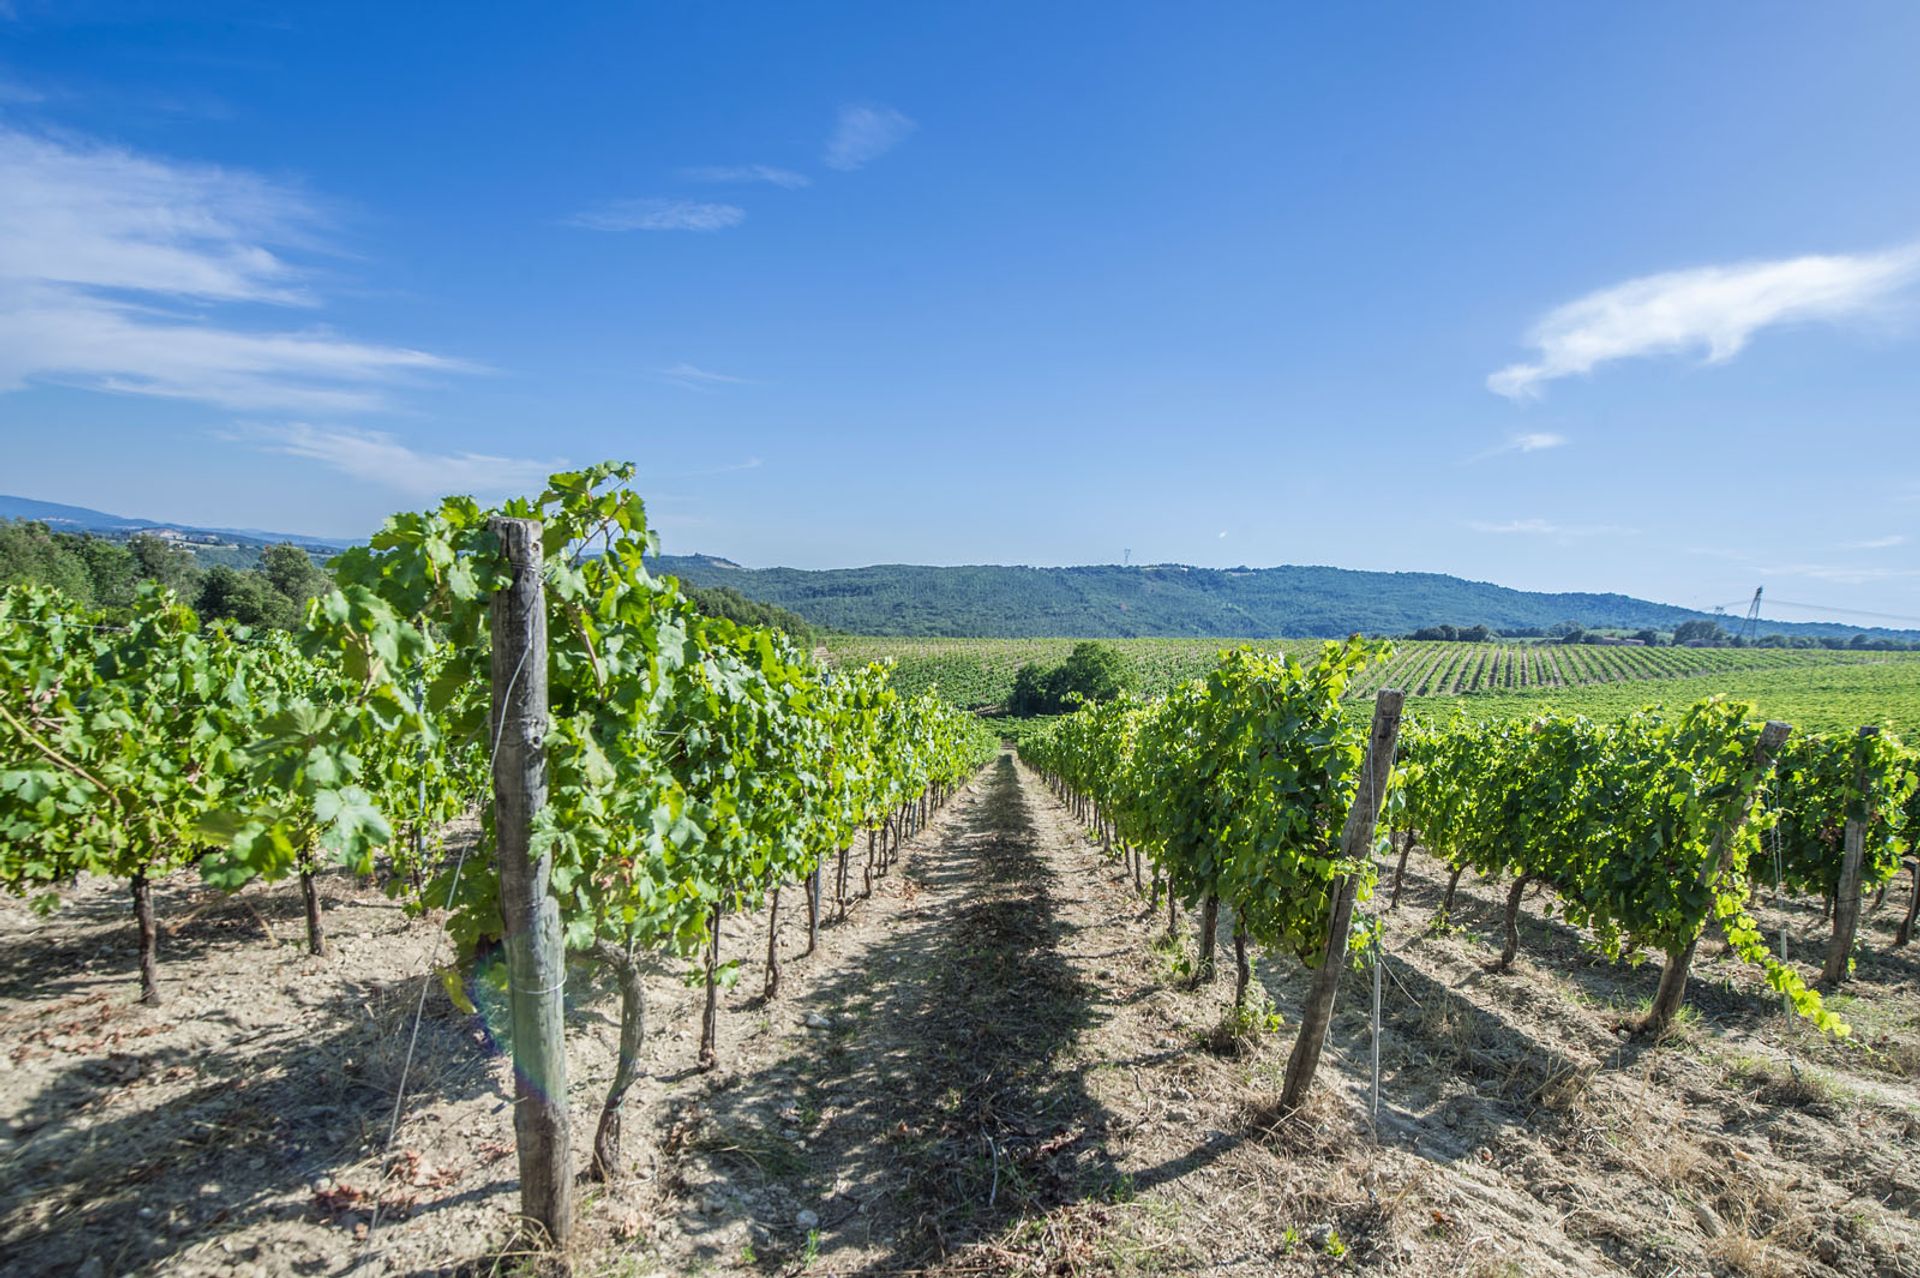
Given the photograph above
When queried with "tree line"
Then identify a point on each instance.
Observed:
(105, 573)
(1700, 633)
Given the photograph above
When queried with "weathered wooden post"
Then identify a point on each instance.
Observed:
(1356, 845)
(536, 960)
(1846, 906)
(1673, 977)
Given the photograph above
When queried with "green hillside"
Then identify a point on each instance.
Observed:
(1170, 600)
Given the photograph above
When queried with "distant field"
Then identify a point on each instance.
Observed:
(1882, 688)
(1812, 688)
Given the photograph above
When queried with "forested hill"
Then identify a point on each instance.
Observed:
(992, 601)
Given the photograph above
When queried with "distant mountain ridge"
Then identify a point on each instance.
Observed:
(1171, 600)
(66, 518)
(1094, 601)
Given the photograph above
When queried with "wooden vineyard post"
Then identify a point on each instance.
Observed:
(536, 961)
(1673, 977)
(1846, 907)
(1356, 845)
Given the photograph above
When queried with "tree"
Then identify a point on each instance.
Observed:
(246, 597)
(31, 555)
(158, 561)
(294, 574)
(1651, 638)
(1029, 696)
(110, 567)
(1096, 671)
(1700, 633)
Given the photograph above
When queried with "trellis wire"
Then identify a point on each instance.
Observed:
(420, 1007)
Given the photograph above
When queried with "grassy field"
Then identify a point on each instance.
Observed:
(1814, 689)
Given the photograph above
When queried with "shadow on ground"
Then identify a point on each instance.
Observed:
(931, 1105)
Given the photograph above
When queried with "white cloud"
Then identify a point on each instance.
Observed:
(653, 214)
(696, 378)
(1715, 309)
(112, 263)
(1878, 543)
(1538, 441)
(1840, 574)
(1545, 528)
(83, 214)
(1223, 535)
(73, 338)
(379, 458)
(864, 133)
(729, 174)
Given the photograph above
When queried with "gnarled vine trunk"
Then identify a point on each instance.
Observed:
(149, 940)
(1400, 870)
(316, 922)
(1209, 926)
(710, 1013)
(1242, 968)
(626, 1066)
(813, 910)
(773, 945)
(1513, 920)
(1905, 933)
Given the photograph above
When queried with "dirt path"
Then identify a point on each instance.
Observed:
(921, 1105)
(993, 1064)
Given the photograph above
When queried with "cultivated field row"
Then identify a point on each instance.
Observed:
(979, 673)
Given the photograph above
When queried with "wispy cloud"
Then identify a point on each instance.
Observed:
(1878, 543)
(695, 378)
(740, 174)
(1535, 442)
(751, 463)
(654, 214)
(113, 266)
(864, 133)
(1841, 574)
(1713, 309)
(378, 458)
(1546, 528)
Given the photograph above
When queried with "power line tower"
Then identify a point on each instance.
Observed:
(1750, 629)
(1126, 557)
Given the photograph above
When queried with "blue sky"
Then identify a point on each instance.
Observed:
(1609, 297)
